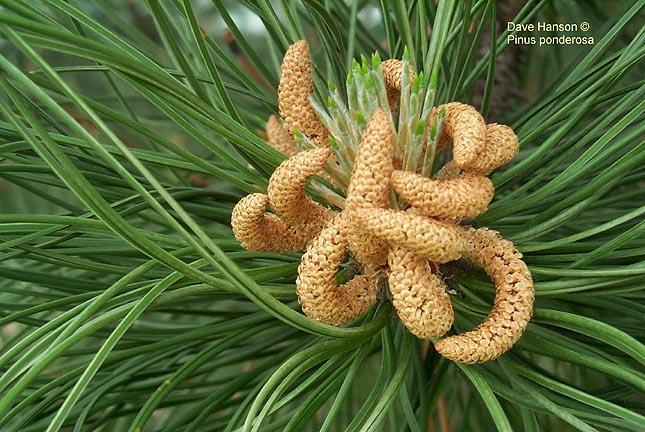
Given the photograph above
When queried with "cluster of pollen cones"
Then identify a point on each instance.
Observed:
(403, 245)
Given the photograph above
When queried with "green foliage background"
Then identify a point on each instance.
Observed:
(129, 129)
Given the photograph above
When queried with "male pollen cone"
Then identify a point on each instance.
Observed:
(418, 295)
(369, 185)
(296, 86)
(501, 147)
(279, 138)
(437, 241)
(513, 304)
(260, 231)
(465, 196)
(318, 293)
(467, 129)
(392, 70)
(287, 191)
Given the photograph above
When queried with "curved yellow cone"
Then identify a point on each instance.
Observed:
(437, 241)
(260, 231)
(279, 138)
(467, 129)
(287, 191)
(418, 295)
(318, 293)
(296, 86)
(369, 185)
(392, 71)
(465, 196)
(512, 307)
(501, 147)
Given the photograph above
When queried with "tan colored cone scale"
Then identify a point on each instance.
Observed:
(392, 70)
(449, 171)
(462, 197)
(287, 192)
(501, 148)
(512, 308)
(437, 241)
(478, 148)
(318, 293)
(260, 231)
(418, 295)
(279, 138)
(467, 129)
(296, 86)
(370, 185)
